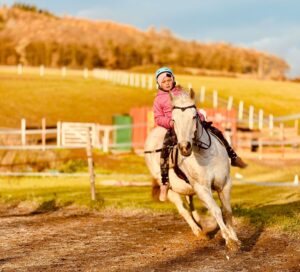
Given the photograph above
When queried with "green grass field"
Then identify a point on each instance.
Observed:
(75, 99)
(262, 206)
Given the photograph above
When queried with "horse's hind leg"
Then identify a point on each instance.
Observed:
(224, 196)
(204, 193)
(195, 214)
(176, 199)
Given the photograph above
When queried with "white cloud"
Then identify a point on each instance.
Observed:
(286, 46)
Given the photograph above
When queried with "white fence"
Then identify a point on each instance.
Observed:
(74, 135)
(65, 135)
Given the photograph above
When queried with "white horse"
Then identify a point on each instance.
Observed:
(204, 161)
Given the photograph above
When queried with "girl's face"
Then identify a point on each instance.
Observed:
(167, 84)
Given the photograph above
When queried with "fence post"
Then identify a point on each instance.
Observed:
(143, 81)
(85, 73)
(90, 163)
(63, 71)
(20, 69)
(190, 86)
(260, 149)
(215, 99)
(251, 117)
(296, 180)
(23, 131)
(58, 134)
(150, 82)
(241, 111)
(282, 138)
(126, 79)
(106, 140)
(271, 124)
(137, 80)
(202, 94)
(230, 102)
(131, 79)
(44, 134)
(42, 70)
(260, 119)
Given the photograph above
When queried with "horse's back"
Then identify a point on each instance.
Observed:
(155, 139)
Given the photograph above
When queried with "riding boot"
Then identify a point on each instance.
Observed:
(235, 159)
(164, 163)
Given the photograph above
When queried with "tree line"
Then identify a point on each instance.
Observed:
(122, 48)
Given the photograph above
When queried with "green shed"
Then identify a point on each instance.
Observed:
(123, 135)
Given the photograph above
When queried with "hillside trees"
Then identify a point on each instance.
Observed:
(33, 37)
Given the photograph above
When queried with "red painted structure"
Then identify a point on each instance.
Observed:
(143, 122)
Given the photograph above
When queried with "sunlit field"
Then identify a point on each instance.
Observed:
(74, 98)
(278, 207)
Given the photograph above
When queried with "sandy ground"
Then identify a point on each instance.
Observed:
(73, 240)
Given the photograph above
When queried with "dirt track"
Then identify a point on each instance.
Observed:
(133, 241)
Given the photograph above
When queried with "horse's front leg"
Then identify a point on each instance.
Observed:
(224, 196)
(205, 195)
(176, 199)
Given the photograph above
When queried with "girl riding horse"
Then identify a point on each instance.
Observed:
(163, 117)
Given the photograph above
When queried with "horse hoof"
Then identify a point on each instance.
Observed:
(203, 236)
(233, 246)
(200, 234)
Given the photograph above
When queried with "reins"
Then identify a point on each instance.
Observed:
(153, 151)
(197, 140)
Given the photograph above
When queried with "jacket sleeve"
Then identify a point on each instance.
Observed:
(159, 116)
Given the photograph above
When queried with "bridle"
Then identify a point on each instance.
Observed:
(197, 140)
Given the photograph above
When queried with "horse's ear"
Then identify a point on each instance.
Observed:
(192, 93)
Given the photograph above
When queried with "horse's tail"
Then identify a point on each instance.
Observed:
(155, 189)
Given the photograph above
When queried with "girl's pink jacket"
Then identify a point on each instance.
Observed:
(162, 108)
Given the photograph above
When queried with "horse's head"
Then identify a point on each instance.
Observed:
(184, 115)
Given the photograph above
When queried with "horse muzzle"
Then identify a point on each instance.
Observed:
(185, 148)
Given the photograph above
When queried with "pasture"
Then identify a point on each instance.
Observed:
(51, 224)
(74, 98)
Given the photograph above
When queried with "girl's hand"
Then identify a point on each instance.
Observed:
(171, 123)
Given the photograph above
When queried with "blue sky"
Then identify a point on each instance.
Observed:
(272, 26)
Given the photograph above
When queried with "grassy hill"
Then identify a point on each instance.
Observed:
(75, 99)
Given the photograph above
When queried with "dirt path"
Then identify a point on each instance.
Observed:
(133, 241)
